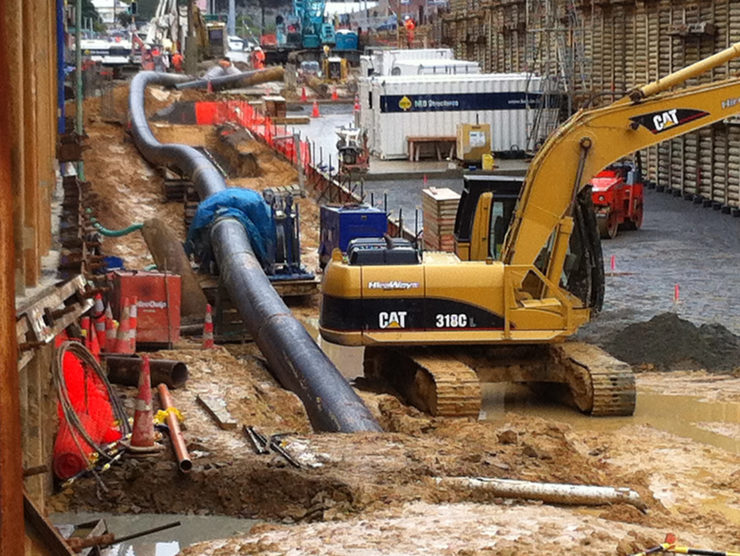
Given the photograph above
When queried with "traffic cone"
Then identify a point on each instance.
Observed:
(98, 309)
(315, 111)
(123, 342)
(356, 107)
(334, 95)
(92, 335)
(133, 317)
(208, 329)
(304, 96)
(142, 437)
(111, 329)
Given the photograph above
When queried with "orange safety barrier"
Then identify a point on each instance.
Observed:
(241, 113)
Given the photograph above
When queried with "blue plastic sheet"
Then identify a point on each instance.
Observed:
(249, 208)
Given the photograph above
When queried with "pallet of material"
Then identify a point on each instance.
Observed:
(439, 208)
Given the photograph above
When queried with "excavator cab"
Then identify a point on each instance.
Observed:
(483, 216)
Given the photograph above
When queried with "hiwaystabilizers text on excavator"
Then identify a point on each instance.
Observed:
(501, 306)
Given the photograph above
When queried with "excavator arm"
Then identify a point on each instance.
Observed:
(592, 139)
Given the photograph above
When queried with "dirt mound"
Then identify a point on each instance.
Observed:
(668, 342)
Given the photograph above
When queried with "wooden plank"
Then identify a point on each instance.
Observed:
(216, 408)
(38, 527)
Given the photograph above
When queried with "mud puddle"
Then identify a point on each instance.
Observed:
(169, 542)
(714, 423)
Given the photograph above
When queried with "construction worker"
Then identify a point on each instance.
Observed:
(147, 60)
(258, 59)
(178, 62)
(410, 26)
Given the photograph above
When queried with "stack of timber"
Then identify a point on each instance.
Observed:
(439, 206)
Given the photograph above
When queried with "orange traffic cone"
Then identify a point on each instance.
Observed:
(133, 317)
(123, 341)
(142, 437)
(208, 329)
(98, 308)
(356, 107)
(334, 95)
(93, 341)
(315, 111)
(304, 96)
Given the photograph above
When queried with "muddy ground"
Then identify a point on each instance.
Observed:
(376, 493)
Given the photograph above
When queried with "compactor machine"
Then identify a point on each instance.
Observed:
(503, 305)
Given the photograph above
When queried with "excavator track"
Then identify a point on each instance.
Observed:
(433, 382)
(447, 382)
(612, 383)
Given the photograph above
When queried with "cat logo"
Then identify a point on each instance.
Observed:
(658, 122)
(405, 103)
(392, 319)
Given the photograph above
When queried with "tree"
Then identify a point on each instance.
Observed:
(124, 19)
(89, 11)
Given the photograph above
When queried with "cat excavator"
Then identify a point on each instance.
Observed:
(435, 325)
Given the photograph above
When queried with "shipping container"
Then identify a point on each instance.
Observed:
(433, 106)
(366, 120)
(434, 67)
(381, 61)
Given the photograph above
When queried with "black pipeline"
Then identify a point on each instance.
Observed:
(244, 79)
(295, 359)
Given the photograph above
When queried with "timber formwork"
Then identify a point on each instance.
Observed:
(610, 47)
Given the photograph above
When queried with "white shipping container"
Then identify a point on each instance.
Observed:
(366, 113)
(381, 61)
(426, 106)
(434, 67)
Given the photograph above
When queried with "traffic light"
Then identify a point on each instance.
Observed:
(132, 8)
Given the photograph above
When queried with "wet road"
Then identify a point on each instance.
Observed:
(682, 244)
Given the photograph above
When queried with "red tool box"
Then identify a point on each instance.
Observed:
(158, 304)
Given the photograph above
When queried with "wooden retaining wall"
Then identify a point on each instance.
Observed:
(614, 46)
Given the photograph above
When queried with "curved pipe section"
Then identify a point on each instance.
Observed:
(295, 359)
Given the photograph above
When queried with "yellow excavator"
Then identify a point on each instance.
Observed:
(499, 309)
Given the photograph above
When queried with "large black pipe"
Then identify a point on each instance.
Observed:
(295, 359)
(244, 79)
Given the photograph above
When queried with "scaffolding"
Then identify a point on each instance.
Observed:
(554, 52)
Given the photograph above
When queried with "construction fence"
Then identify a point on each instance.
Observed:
(598, 50)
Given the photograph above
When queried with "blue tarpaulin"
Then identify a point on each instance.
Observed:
(249, 208)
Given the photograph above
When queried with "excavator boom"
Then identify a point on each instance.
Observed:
(592, 139)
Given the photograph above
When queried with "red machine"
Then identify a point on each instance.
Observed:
(618, 198)
(158, 304)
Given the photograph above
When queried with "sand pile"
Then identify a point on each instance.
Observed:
(669, 343)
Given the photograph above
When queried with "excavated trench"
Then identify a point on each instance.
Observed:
(349, 480)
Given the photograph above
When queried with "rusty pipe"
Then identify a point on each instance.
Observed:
(178, 442)
(125, 370)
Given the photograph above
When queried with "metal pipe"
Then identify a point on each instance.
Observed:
(293, 356)
(11, 477)
(330, 402)
(125, 370)
(178, 442)
(243, 79)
